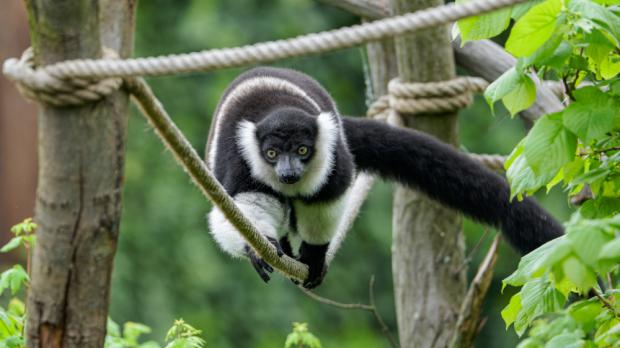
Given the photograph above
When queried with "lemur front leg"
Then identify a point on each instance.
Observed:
(266, 213)
(314, 257)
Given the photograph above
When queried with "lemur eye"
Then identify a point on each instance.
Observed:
(302, 150)
(271, 153)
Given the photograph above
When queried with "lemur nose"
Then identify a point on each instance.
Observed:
(289, 178)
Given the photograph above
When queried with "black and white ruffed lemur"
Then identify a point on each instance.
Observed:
(280, 148)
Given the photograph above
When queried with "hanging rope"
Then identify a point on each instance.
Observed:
(46, 79)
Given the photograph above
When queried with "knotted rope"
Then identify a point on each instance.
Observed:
(58, 90)
(436, 97)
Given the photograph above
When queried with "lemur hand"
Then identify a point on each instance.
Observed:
(314, 257)
(260, 265)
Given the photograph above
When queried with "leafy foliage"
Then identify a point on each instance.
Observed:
(577, 42)
(13, 317)
(183, 335)
(301, 338)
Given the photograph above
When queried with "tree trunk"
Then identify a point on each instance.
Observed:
(427, 246)
(81, 159)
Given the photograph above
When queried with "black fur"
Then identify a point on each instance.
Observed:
(409, 157)
(421, 161)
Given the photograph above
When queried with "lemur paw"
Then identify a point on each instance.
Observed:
(260, 265)
(314, 257)
(279, 248)
(286, 246)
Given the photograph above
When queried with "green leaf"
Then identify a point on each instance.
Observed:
(521, 176)
(510, 312)
(484, 26)
(113, 329)
(611, 250)
(549, 145)
(566, 340)
(522, 96)
(588, 242)
(534, 28)
(538, 297)
(132, 331)
(598, 14)
(16, 307)
(12, 244)
(578, 273)
(544, 52)
(585, 312)
(530, 264)
(600, 207)
(519, 10)
(13, 279)
(593, 175)
(502, 86)
(591, 116)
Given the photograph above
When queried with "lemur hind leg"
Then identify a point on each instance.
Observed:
(261, 266)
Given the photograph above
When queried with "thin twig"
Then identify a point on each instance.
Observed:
(341, 305)
(384, 328)
(606, 302)
(365, 307)
(474, 250)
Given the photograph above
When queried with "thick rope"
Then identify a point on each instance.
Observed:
(196, 168)
(436, 97)
(46, 79)
(60, 92)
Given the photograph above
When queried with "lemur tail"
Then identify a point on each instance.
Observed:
(422, 162)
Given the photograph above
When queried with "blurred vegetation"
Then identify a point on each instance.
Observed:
(167, 265)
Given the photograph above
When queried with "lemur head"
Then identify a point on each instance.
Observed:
(286, 139)
(290, 150)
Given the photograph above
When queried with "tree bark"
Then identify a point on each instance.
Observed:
(427, 245)
(81, 160)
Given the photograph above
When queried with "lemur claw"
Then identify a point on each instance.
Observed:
(260, 265)
(275, 243)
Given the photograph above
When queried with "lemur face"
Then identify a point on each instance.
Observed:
(286, 141)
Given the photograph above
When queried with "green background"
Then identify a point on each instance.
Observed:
(168, 266)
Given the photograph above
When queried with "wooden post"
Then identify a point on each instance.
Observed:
(81, 160)
(427, 246)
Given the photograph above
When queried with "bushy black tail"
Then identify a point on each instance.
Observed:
(423, 162)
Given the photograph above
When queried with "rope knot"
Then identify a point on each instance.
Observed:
(427, 97)
(53, 88)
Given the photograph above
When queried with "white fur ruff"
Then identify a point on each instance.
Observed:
(266, 213)
(317, 171)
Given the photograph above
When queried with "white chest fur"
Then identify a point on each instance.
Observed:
(317, 223)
